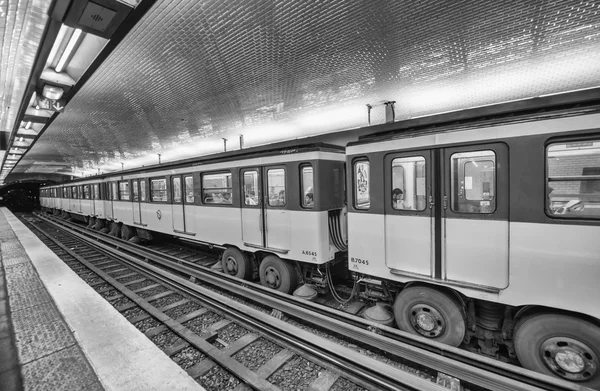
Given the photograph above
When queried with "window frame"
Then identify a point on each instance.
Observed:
(119, 194)
(166, 190)
(451, 182)
(202, 188)
(417, 156)
(355, 161)
(303, 193)
(565, 178)
(184, 188)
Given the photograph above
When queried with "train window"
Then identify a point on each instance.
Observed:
(143, 190)
(307, 185)
(176, 190)
(115, 193)
(124, 191)
(135, 191)
(74, 192)
(473, 182)
(86, 192)
(361, 181)
(573, 179)
(276, 185)
(158, 190)
(408, 183)
(216, 188)
(251, 190)
(189, 189)
(96, 191)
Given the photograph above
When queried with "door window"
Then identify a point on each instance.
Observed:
(189, 189)
(408, 183)
(473, 182)
(134, 189)
(96, 192)
(307, 185)
(115, 193)
(251, 189)
(276, 185)
(361, 185)
(143, 190)
(177, 190)
(573, 182)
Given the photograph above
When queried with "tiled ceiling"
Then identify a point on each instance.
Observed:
(193, 72)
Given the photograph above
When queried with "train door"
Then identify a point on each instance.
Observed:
(177, 207)
(447, 216)
(252, 214)
(265, 217)
(276, 214)
(136, 204)
(474, 215)
(409, 223)
(188, 200)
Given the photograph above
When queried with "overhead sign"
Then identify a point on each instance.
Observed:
(44, 103)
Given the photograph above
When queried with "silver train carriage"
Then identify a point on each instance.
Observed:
(482, 234)
(275, 211)
(487, 235)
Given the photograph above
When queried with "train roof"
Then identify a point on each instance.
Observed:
(285, 148)
(574, 103)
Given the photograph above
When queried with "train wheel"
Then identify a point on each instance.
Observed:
(278, 274)
(430, 313)
(560, 345)
(236, 263)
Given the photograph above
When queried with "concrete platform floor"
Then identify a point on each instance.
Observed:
(57, 333)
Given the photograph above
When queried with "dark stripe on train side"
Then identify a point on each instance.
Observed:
(526, 179)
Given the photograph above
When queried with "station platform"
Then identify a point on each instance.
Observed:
(57, 333)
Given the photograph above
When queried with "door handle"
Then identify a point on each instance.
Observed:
(431, 203)
(260, 222)
(445, 202)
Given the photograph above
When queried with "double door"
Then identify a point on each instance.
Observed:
(182, 187)
(448, 214)
(265, 208)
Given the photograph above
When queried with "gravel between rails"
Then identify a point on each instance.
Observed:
(297, 373)
(218, 379)
(166, 339)
(188, 357)
(257, 353)
(202, 322)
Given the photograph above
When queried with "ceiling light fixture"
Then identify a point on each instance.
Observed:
(52, 92)
(28, 125)
(68, 50)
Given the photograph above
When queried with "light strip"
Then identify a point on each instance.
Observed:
(28, 125)
(57, 42)
(70, 46)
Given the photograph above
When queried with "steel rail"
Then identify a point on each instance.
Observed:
(470, 367)
(366, 370)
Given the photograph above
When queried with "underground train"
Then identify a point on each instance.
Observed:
(483, 234)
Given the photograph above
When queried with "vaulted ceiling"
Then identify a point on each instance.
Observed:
(176, 77)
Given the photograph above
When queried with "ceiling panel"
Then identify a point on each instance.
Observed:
(192, 72)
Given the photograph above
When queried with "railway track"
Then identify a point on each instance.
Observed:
(475, 371)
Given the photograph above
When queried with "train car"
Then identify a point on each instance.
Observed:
(272, 210)
(486, 234)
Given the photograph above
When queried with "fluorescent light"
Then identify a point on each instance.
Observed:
(57, 42)
(20, 139)
(67, 53)
(28, 125)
